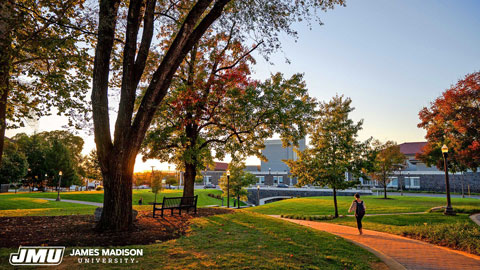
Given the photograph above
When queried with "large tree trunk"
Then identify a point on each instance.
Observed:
(5, 65)
(117, 201)
(335, 201)
(117, 157)
(189, 180)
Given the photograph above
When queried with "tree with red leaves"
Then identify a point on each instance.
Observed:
(214, 108)
(453, 119)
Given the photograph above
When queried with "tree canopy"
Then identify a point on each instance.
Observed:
(214, 108)
(453, 119)
(14, 166)
(48, 153)
(44, 61)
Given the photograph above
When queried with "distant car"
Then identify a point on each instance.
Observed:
(143, 187)
(210, 186)
(282, 185)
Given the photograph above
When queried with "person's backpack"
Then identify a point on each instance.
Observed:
(360, 209)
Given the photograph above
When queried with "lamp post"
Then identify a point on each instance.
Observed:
(58, 188)
(228, 188)
(258, 195)
(400, 180)
(29, 172)
(449, 210)
(269, 173)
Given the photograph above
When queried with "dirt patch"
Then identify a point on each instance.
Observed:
(78, 230)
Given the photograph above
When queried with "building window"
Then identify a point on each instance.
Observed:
(412, 182)
(277, 179)
(260, 179)
(393, 182)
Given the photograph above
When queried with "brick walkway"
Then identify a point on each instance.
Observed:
(411, 254)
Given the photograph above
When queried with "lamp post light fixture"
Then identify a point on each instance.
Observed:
(228, 188)
(258, 195)
(58, 188)
(449, 210)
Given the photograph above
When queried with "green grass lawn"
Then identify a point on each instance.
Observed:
(27, 204)
(244, 240)
(374, 205)
(146, 194)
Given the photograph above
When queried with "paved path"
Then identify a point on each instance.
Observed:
(74, 201)
(476, 218)
(409, 253)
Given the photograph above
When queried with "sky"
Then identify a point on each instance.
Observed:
(392, 58)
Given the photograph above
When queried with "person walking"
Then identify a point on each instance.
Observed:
(358, 206)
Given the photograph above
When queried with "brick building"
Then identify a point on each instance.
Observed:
(417, 176)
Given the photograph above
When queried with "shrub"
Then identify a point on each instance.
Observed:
(466, 236)
(98, 188)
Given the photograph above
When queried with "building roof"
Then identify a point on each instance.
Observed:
(221, 166)
(412, 148)
(253, 168)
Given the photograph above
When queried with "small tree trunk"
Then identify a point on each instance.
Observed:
(385, 190)
(117, 202)
(238, 201)
(335, 201)
(189, 180)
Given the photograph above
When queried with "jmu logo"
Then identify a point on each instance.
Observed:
(37, 256)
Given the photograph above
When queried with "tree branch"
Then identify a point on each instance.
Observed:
(187, 36)
(106, 34)
(239, 59)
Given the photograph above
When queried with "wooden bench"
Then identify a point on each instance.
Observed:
(180, 203)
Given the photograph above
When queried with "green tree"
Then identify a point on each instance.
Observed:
(42, 65)
(156, 183)
(91, 166)
(335, 149)
(59, 158)
(239, 179)
(35, 149)
(171, 180)
(388, 158)
(50, 152)
(14, 166)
